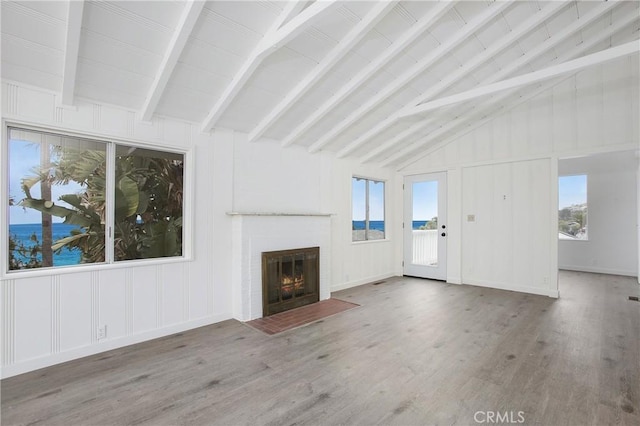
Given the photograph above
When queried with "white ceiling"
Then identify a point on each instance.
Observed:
(326, 75)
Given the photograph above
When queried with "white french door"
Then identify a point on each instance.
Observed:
(425, 227)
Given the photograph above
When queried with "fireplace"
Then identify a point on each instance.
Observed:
(290, 279)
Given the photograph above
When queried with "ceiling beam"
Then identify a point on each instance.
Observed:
(187, 22)
(408, 37)
(412, 149)
(377, 12)
(438, 53)
(468, 67)
(594, 14)
(529, 56)
(283, 33)
(291, 10)
(477, 124)
(72, 48)
(277, 36)
(530, 78)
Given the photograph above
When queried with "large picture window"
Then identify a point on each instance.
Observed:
(572, 199)
(367, 209)
(70, 199)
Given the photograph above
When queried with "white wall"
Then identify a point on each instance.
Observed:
(506, 245)
(362, 262)
(51, 318)
(612, 247)
(594, 111)
(268, 179)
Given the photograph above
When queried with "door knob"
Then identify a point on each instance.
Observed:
(443, 234)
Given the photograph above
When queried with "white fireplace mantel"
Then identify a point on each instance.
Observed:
(258, 232)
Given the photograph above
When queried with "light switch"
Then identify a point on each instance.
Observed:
(471, 218)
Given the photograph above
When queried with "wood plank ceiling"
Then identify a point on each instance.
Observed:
(365, 79)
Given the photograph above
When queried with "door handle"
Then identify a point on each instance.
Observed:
(443, 234)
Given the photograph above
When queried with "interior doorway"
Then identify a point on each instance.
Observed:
(598, 213)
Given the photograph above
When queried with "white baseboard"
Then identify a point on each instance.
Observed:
(363, 281)
(106, 345)
(454, 280)
(511, 287)
(598, 270)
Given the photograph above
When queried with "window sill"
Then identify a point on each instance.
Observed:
(384, 240)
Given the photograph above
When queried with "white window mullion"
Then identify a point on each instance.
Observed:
(366, 203)
(110, 204)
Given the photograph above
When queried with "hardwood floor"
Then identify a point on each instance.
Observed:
(415, 352)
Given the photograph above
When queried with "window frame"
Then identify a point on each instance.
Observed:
(586, 178)
(110, 142)
(367, 240)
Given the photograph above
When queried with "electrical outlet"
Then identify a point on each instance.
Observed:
(102, 332)
(471, 218)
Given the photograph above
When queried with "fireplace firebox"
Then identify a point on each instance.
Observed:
(290, 279)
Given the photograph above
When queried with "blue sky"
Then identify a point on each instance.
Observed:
(24, 158)
(572, 190)
(425, 200)
(425, 204)
(376, 200)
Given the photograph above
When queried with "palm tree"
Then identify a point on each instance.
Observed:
(148, 204)
(45, 191)
(28, 255)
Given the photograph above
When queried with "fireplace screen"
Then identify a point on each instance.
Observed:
(290, 278)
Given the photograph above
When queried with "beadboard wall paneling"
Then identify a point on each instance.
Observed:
(33, 318)
(506, 246)
(75, 309)
(49, 320)
(593, 111)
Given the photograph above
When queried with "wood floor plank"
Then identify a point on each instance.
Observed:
(414, 352)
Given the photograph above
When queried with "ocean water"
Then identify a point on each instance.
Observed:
(23, 232)
(379, 224)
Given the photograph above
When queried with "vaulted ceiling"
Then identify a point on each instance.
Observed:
(376, 80)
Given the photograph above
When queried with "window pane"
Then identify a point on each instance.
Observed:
(572, 200)
(56, 200)
(367, 209)
(358, 191)
(376, 210)
(148, 203)
(425, 223)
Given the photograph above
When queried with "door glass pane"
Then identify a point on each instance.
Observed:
(425, 223)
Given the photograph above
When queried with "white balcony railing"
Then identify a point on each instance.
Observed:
(425, 247)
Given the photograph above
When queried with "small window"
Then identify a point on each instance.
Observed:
(367, 209)
(572, 200)
(65, 193)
